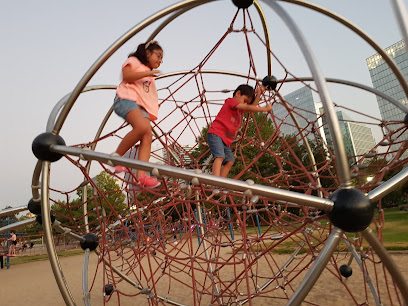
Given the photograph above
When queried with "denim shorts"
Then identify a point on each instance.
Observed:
(122, 107)
(218, 148)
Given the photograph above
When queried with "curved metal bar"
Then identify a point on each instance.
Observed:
(387, 261)
(165, 170)
(16, 225)
(402, 18)
(391, 63)
(266, 33)
(35, 182)
(365, 273)
(12, 211)
(388, 186)
(333, 124)
(314, 272)
(357, 85)
(109, 52)
(46, 220)
(61, 103)
(170, 19)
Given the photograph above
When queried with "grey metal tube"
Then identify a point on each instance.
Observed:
(46, 220)
(15, 225)
(85, 291)
(35, 182)
(276, 193)
(400, 13)
(319, 265)
(388, 186)
(366, 276)
(12, 211)
(391, 63)
(109, 52)
(266, 33)
(387, 261)
(333, 124)
(61, 103)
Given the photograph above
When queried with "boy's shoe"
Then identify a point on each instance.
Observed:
(148, 181)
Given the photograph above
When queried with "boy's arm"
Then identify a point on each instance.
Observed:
(258, 93)
(252, 108)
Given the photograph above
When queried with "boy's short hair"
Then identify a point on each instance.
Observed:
(246, 90)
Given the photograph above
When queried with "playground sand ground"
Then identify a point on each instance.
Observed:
(34, 284)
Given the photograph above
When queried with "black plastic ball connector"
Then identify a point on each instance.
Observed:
(41, 146)
(109, 289)
(270, 82)
(243, 4)
(352, 210)
(346, 270)
(38, 218)
(34, 207)
(91, 242)
(406, 119)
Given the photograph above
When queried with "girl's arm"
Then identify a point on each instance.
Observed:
(130, 76)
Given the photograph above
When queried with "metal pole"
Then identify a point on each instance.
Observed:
(46, 220)
(321, 261)
(387, 261)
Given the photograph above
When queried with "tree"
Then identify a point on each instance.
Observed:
(103, 192)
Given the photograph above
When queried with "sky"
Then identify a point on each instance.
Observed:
(47, 46)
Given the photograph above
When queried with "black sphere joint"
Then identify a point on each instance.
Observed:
(346, 271)
(41, 146)
(109, 289)
(243, 4)
(91, 242)
(34, 207)
(352, 211)
(406, 119)
(270, 82)
(38, 218)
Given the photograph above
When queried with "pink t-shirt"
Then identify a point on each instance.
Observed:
(227, 122)
(142, 91)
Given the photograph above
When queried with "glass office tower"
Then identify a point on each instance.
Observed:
(384, 80)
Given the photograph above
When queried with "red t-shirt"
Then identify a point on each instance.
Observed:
(227, 122)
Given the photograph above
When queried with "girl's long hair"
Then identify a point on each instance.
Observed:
(140, 52)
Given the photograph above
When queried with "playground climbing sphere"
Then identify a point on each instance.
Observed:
(296, 206)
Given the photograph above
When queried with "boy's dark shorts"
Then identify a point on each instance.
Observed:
(219, 149)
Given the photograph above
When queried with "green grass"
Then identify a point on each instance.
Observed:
(25, 259)
(395, 233)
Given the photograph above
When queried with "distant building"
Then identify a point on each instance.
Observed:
(358, 138)
(384, 80)
(304, 109)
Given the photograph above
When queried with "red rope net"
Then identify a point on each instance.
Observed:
(192, 243)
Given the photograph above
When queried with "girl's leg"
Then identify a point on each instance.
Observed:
(226, 168)
(144, 149)
(216, 169)
(140, 125)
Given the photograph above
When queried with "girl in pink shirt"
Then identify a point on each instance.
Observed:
(136, 101)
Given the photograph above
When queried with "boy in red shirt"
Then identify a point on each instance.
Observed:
(224, 128)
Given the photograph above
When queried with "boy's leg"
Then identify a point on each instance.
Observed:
(228, 162)
(226, 168)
